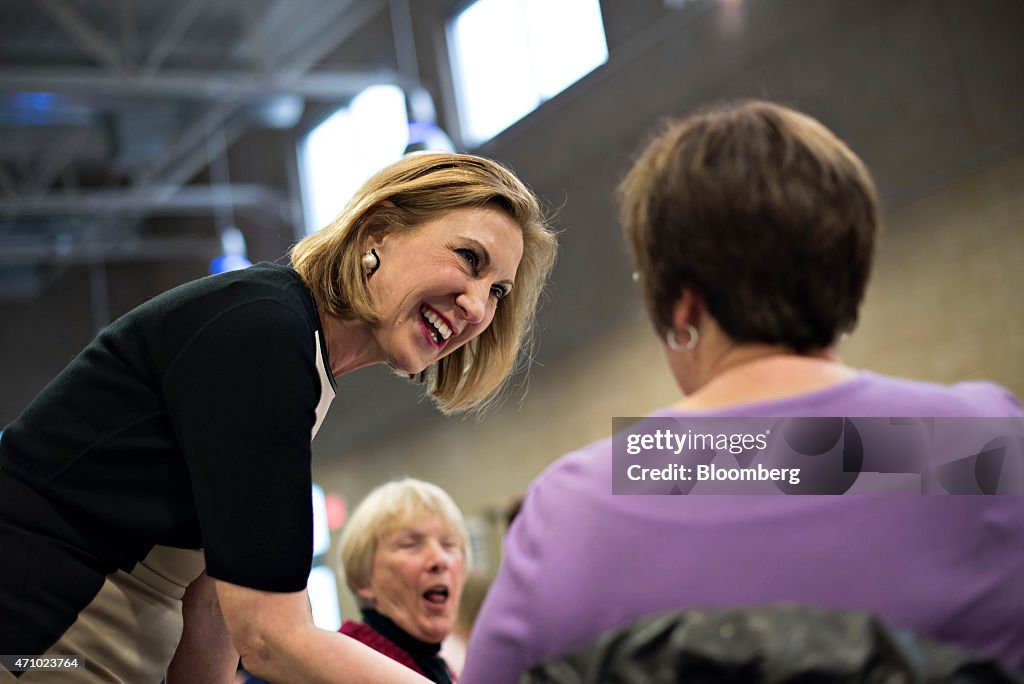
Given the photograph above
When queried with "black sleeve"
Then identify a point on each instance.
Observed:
(242, 397)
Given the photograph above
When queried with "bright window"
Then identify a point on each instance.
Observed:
(349, 146)
(509, 56)
(322, 586)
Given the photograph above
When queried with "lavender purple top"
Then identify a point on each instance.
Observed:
(579, 560)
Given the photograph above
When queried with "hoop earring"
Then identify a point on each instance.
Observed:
(676, 346)
(370, 262)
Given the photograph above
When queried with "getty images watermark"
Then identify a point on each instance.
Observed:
(879, 456)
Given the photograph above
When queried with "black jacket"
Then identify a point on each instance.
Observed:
(776, 644)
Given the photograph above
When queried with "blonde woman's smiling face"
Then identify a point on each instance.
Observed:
(439, 284)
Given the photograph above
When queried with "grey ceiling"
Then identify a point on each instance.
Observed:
(112, 110)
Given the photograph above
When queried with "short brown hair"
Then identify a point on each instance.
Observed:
(761, 211)
(415, 190)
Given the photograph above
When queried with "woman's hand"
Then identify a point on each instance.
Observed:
(205, 652)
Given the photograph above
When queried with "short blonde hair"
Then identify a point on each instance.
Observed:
(415, 190)
(387, 508)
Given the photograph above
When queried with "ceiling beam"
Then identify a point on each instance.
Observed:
(282, 26)
(189, 142)
(225, 92)
(132, 248)
(128, 30)
(339, 22)
(158, 199)
(188, 155)
(333, 85)
(83, 33)
(170, 35)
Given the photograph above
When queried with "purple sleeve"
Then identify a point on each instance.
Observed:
(1002, 400)
(504, 639)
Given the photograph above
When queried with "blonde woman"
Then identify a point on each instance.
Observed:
(155, 509)
(405, 553)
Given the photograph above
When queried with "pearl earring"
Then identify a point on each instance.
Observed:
(676, 346)
(370, 262)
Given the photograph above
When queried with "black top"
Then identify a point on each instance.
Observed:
(187, 423)
(425, 654)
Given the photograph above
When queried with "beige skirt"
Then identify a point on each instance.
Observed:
(128, 633)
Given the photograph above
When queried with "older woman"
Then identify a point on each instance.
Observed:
(405, 552)
(155, 497)
(753, 230)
